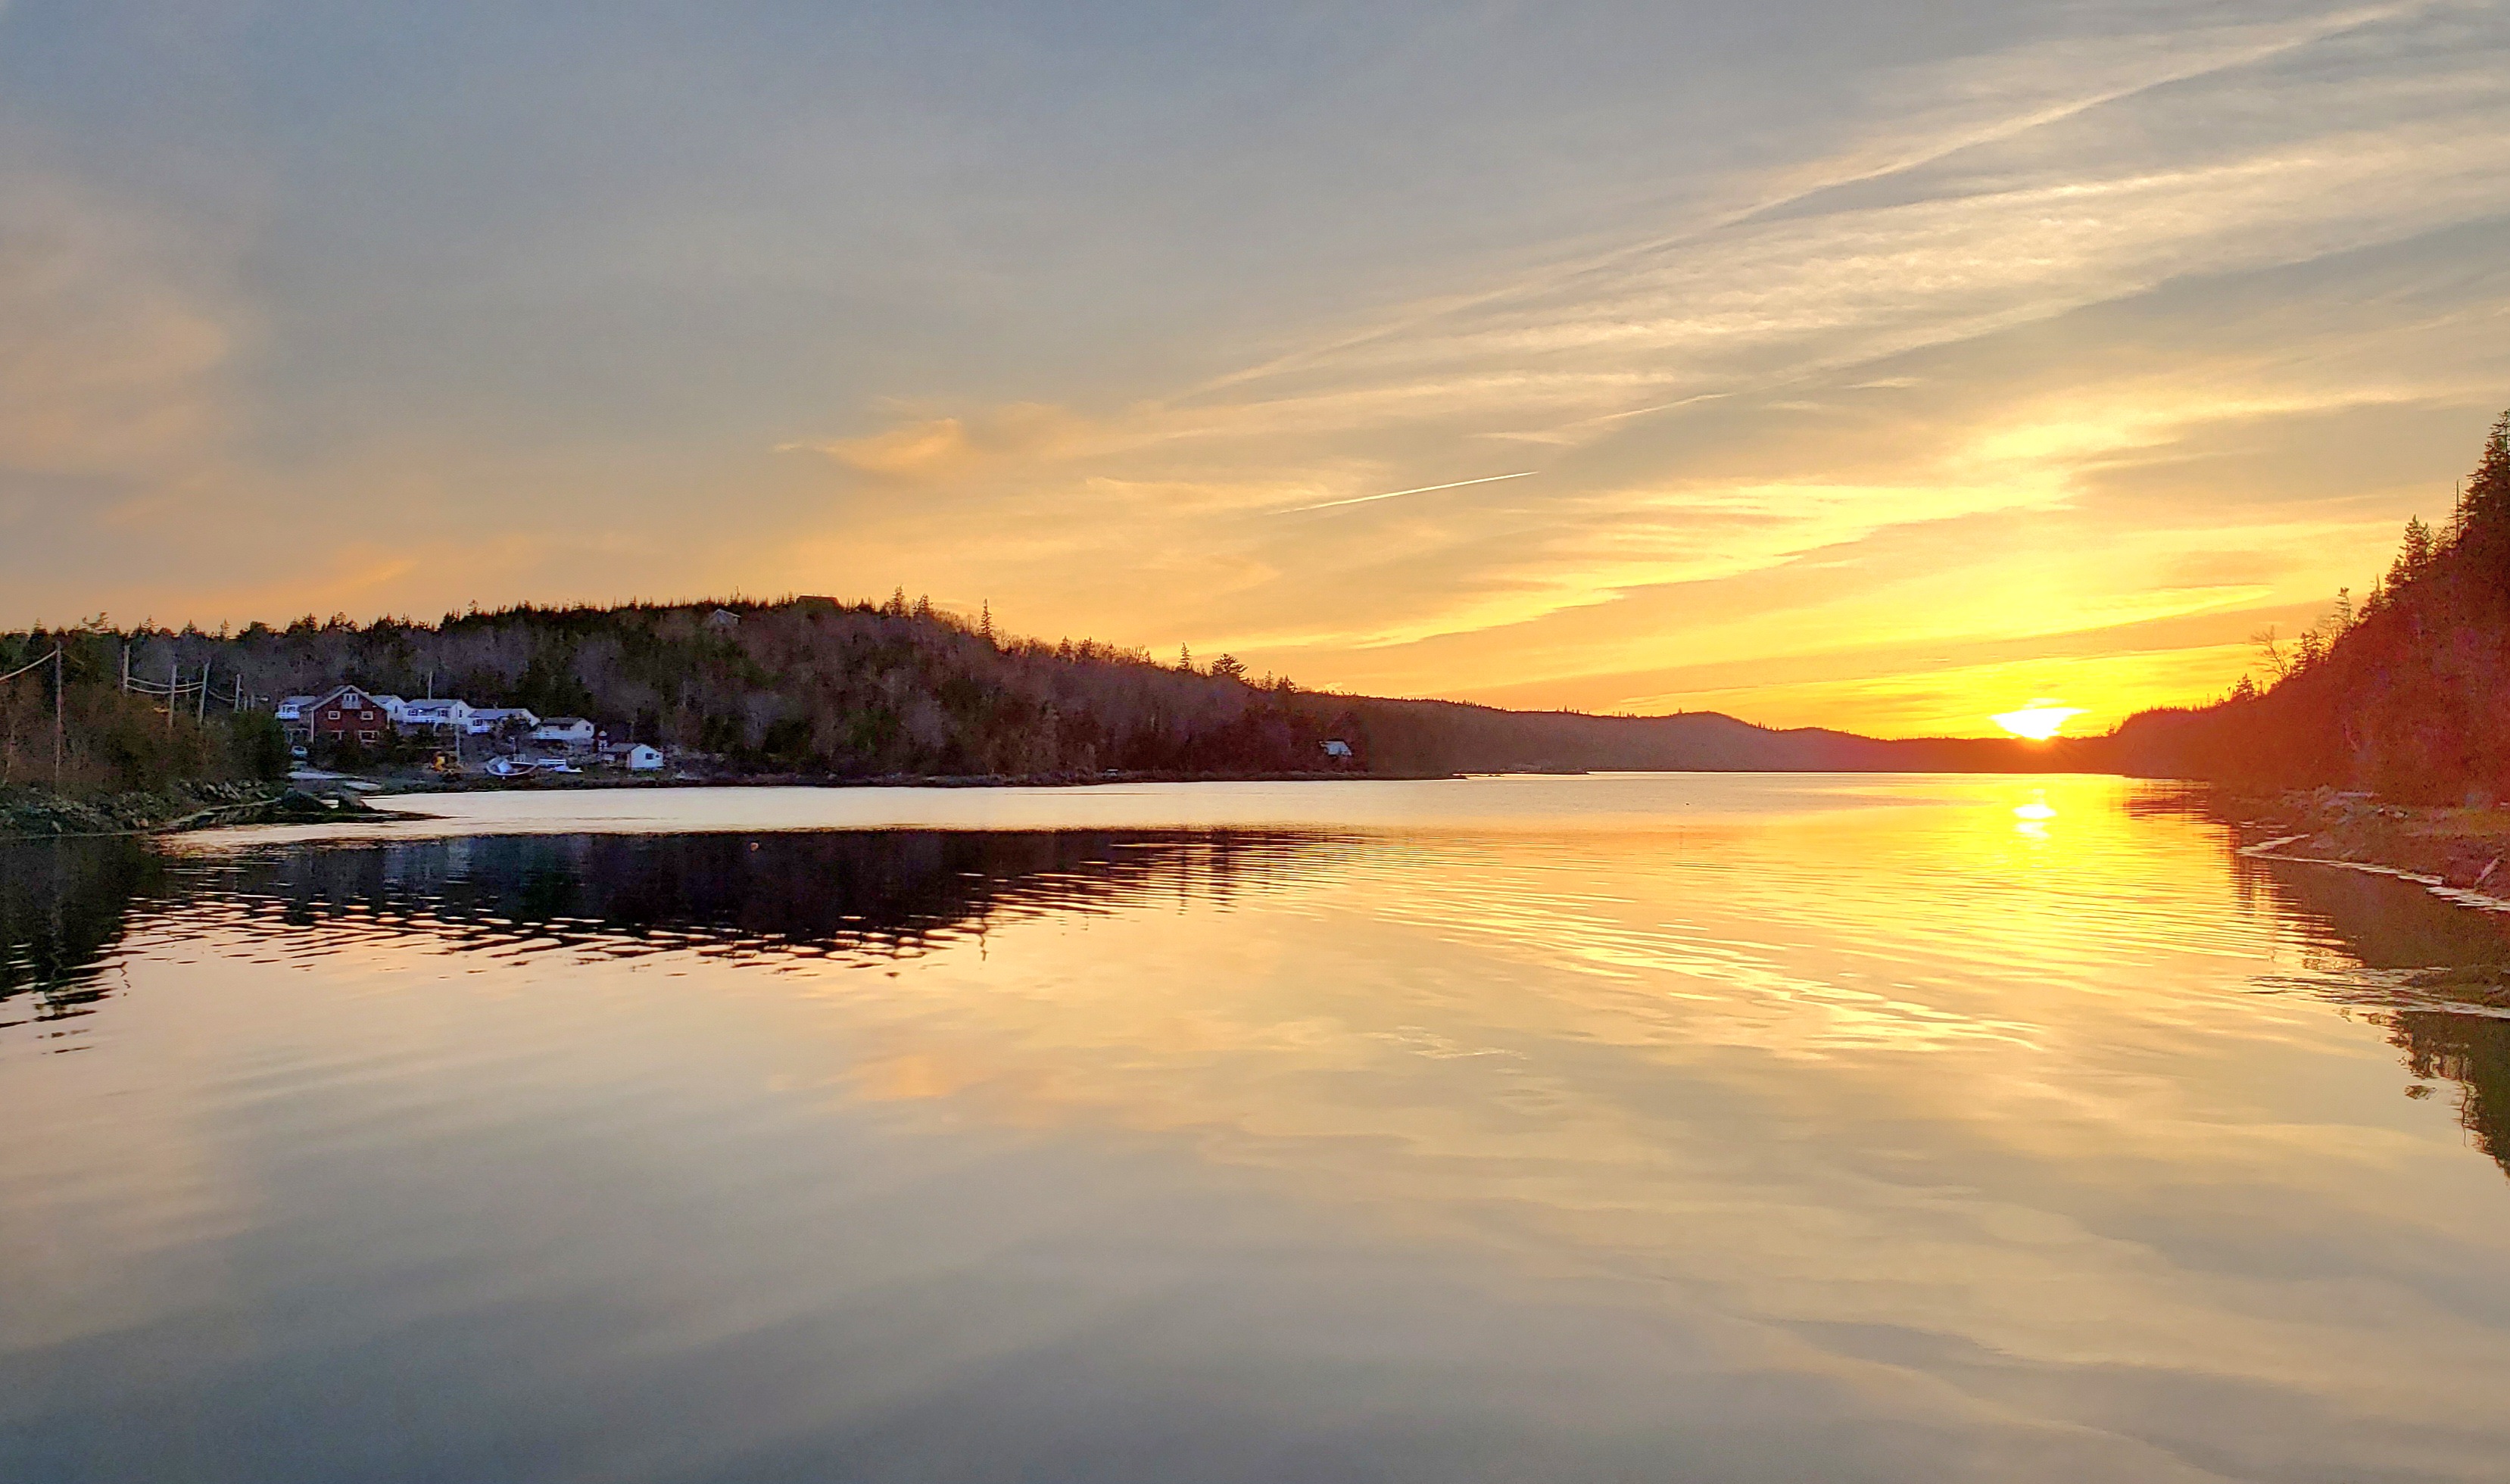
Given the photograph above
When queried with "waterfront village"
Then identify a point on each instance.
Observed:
(350, 725)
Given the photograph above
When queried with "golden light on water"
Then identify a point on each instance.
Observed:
(2040, 720)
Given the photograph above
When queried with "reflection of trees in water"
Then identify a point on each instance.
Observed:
(2472, 1051)
(63, 904)
(2381, 921)
(868, 894)
(2386, 924)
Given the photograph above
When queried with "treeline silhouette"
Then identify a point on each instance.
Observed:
(94, 738)
(2406, 694)
(815, 687)
(805, 685)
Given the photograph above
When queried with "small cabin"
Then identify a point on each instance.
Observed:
(495, 721)
(1336, 750)
(569, 732)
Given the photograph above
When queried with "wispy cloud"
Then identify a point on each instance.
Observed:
(1696, 385)
(1397, 494)
(1993, 341)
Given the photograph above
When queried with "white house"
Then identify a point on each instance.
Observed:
(290, 711)
(1338, 749)
(569, 732)
(487, 720)
(434, 716)
(392, 707)
(642, 757)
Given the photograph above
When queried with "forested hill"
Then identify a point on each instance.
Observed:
(816, 687)
(2407, 695)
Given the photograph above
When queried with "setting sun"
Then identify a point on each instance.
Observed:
(2040, 720)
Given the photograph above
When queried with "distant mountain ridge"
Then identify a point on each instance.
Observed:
(1457, 737)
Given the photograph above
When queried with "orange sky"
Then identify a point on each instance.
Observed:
(1887, 381)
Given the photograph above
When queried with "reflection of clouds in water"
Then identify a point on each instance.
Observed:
(1982, 1132)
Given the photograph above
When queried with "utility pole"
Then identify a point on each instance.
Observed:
(171, 679)
(203, 711)
(126, 669)
(58, 699)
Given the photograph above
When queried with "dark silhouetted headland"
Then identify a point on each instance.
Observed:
(2405, 694)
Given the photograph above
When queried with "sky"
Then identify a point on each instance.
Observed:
(1890, 367)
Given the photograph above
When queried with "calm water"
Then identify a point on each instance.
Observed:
(1641, 1128)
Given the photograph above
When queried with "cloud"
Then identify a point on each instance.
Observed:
(1821, 361)
(108, 359)
(929, 449)
(2133, 313)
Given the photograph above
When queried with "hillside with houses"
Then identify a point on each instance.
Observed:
(807, 688)
(350, 725)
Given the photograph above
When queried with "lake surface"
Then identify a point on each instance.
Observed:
(1615, 1127)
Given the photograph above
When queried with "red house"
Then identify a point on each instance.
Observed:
(348, 712)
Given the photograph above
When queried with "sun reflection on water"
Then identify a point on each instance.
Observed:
(1964, 1126)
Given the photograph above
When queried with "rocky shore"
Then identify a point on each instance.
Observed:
(2464, 850)
(37, 814)
(2460, 854)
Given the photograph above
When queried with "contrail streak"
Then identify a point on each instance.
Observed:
(1392, 493)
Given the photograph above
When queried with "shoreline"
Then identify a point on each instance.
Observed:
(31, 813)
(27, 814)
(2462, 855)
